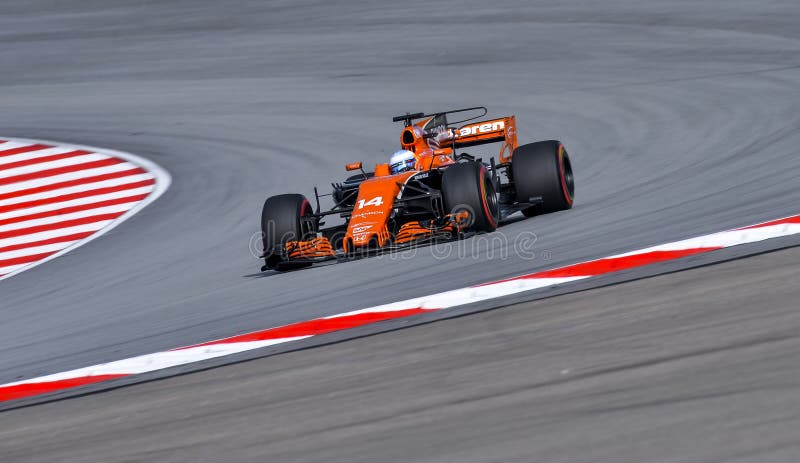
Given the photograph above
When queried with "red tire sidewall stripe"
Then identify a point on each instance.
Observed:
(304, 208)
(487, 212)
(563, 175)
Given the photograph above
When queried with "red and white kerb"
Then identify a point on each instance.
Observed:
(434, 302)
(55, 197)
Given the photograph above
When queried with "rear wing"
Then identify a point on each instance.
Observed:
(472, 113)
(464, 132)
(492, 131)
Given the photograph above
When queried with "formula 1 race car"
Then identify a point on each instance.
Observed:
(435, 192)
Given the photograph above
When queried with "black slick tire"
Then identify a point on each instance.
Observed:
(468, 187)
(543, 170)
(280, 223)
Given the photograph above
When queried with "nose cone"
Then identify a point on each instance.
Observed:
(372, 210)
(363, 234)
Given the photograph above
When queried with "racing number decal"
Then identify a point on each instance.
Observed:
(376, 201)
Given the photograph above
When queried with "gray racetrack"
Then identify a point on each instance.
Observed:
(681, 118)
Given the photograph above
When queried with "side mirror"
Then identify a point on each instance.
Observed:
(353, 166)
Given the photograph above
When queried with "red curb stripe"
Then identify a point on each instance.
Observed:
(57, 225)
(608, 265)
(54, 157)
(60, 170)
(24, 149)
(58, 239)
(616, 264)
(795, 219)
(316, 327)
(25, 259)
(77, 195)
(71, 209)
(75, 182)
(27, 390)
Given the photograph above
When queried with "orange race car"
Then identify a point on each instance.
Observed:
(430, 190)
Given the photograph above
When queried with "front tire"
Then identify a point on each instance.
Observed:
(543, 169)
(281, 222)
(468, 187)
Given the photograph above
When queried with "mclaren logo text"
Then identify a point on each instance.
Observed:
(481, 128)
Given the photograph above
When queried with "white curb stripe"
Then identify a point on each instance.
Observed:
(76, 189)
(32, 251)
(41, 236)
(31, 155)
(67, 217)
(76, 202)
(65, 177)
(41, 166)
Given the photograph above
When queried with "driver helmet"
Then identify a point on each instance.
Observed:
(402, 161)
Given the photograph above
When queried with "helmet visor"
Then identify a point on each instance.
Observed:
(402, 166)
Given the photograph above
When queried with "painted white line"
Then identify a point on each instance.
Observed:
(162, 360)
(725, 239)
(464, 296)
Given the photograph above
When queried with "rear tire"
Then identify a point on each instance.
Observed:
(543, 169)
(280, 223)
(468, 187)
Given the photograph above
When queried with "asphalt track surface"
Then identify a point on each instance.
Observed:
(681, 118)
(687, 367)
